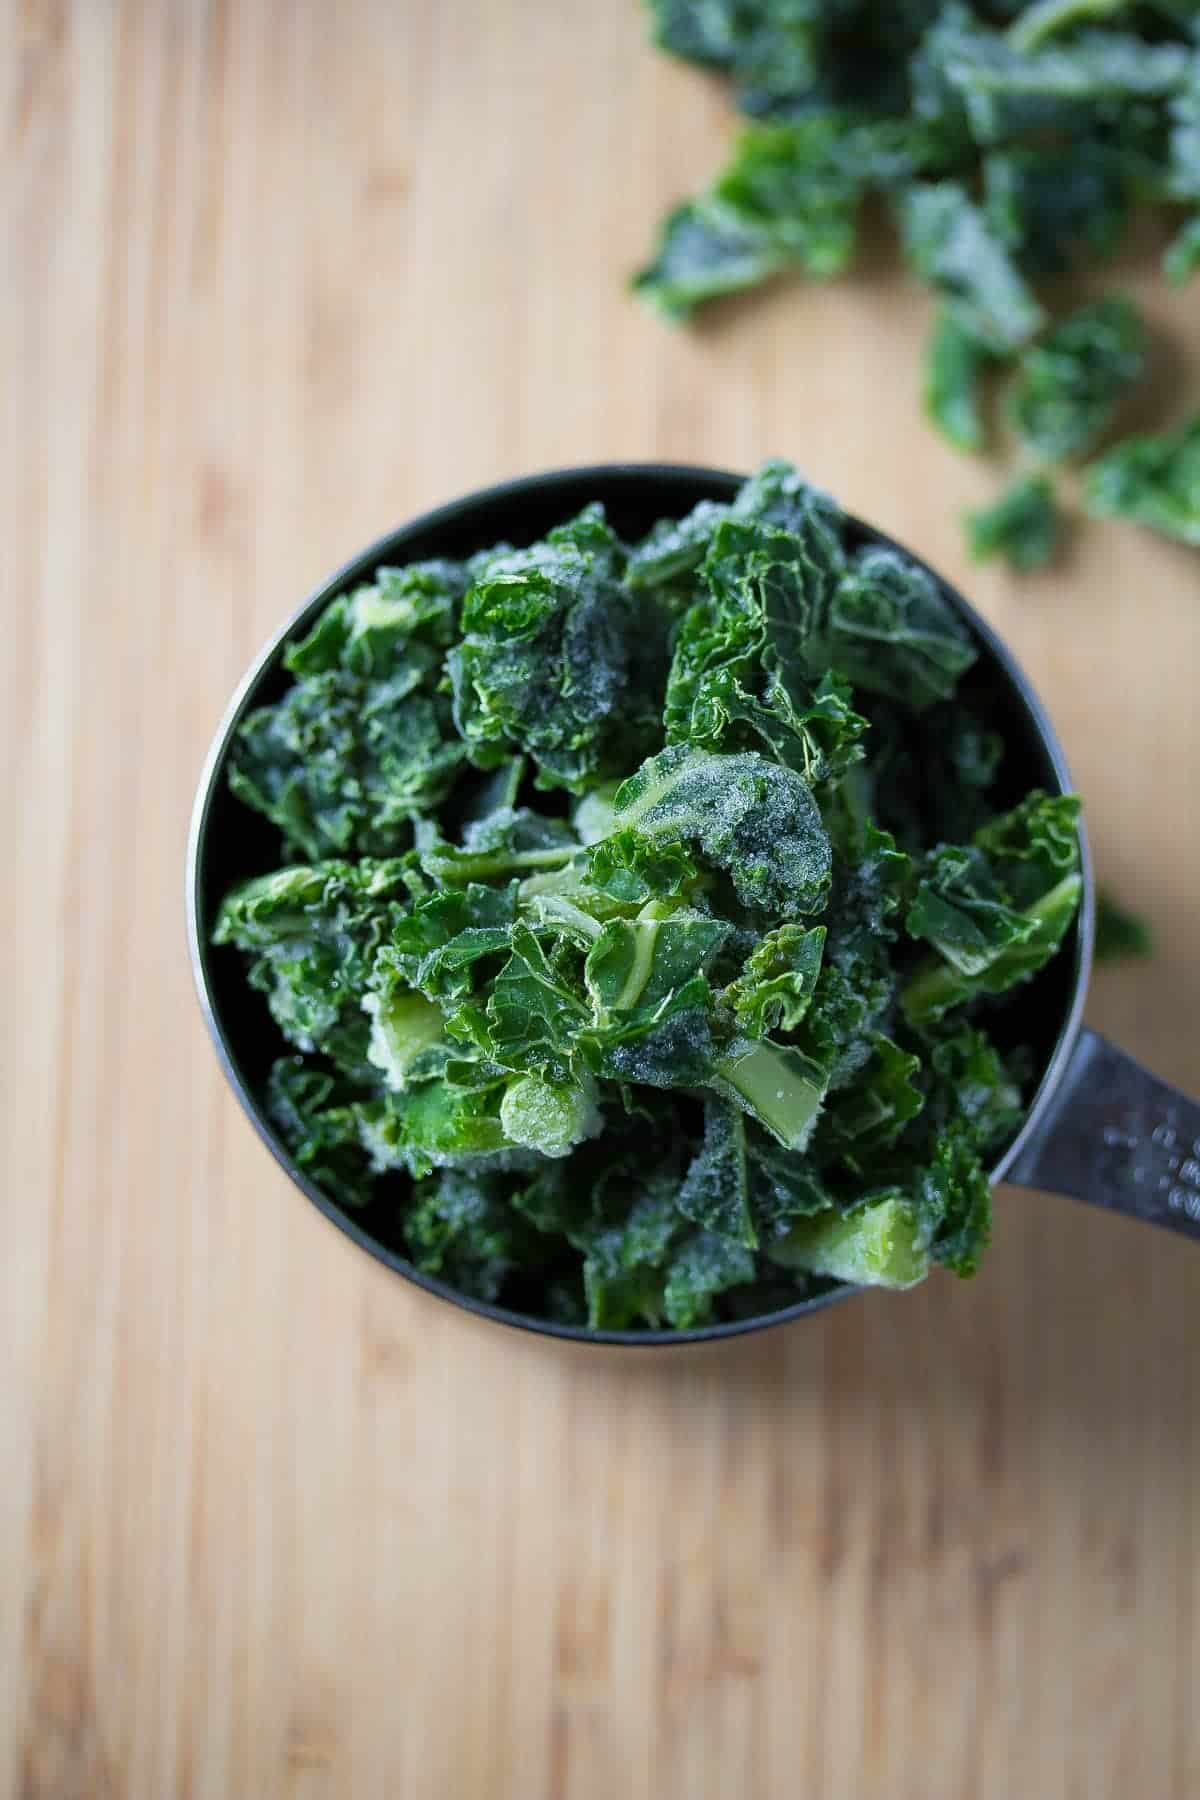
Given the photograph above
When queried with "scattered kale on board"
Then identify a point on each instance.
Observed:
(1069, 386)
(1022, 525)
(672, 996)
(1011, 142)
(1119, 933)
(1152, 480)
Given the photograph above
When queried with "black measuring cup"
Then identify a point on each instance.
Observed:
(1099, 1128)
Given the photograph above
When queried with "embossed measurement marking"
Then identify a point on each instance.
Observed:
(1164, 1155)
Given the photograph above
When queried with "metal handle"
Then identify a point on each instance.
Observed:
(1118, 1137)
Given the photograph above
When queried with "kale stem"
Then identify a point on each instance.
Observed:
(484, 865)
(778, 1087)
(938, 985)
(1044, 20)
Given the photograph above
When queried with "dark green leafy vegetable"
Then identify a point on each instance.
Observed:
(1022, 526)
(1119, 933)
(786, 200)
(546, 663)
(956, 363)
(1054, 207)
(364, 740)
(1154, 480)
(950, 245)
(311, 934)
(996, 910)
(1047, 18)
(318, 1118)
(1012, 141)
(753, 818)
(461, 1227)
(885, 599)
(1070, 385)
(1182, 257)
(705, 252)
(709, 1030)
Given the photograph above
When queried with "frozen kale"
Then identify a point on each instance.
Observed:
(1022, 526)
(670, 1001)
(1153, 480)
(1011, 142)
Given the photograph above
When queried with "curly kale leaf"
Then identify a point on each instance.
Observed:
(773, 991)
(1052, 206)
(1183, 169)
(969, 1087)
(704, 252)
(316, 1114)
(954, 1203)
(364, 741)
(787, 200)
(737, 676)
(951, 245)
(644, 1261)
(956, 365)
(341, 765)
(705, 1265)
(997, 909)
(887, 1238)
(793, 183)
(461, 1227)
(1023, 525)
(631, 869)
(1181, 258)
(1006, 86)
(748, 816)
(555, 659)
(674, 547)
(437, 956)
(1119, 933)
(438, 1124)
(1154, 480)
(867, 1118)
(510, 841)
(647, 1269)
(961, 907)
(634, 966)
(893, 632)
(930, 775)
(786, 605)
(1070, 385)
(702, 31)
(856, 989)
(402, 612)
(784, 56)
(777, 494)
(625, 1263)
(534, 1010)
(311, 935)
(715, 1192)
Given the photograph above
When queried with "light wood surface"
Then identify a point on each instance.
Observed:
(276, 275)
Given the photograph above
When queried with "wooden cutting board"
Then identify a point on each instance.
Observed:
(277, 274)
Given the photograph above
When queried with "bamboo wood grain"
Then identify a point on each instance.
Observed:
(276, 275)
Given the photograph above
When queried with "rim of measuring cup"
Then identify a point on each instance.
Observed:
(469, 523)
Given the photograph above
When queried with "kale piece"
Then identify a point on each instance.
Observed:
(1022, 526)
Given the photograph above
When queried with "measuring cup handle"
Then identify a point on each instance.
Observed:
(1118, 1137)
